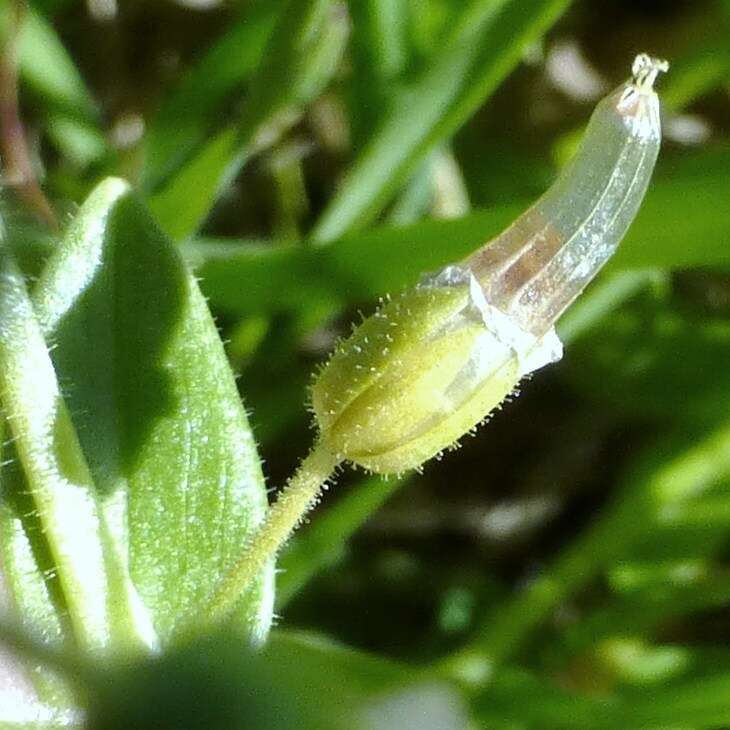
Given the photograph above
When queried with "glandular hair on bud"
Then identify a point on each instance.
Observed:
(421, 372)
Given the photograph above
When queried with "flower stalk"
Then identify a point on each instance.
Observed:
(296, 499)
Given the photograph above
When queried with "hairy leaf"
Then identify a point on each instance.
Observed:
(156, 407)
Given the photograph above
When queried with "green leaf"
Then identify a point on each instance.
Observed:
(504, 704)
(328, 665)
(80, 141)
(379, 37)
(300, 58)
(192, 109)
(27, 569)
(55, 471)
(379, 56)
(713, 511)
(486, 44)
(353, 680)
(214, 681)
(357, 689)
(702, 70)
(684, 222)
(603, 297)
(699, 703)
(156, 407)
(49, 71)
(640, 613)
(657, 358)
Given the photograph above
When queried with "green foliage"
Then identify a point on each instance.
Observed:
(385, 259)
(288, 162)
(190, 111)
(295, 64)
(241, 691)
(55, 473)
(487, 39)
(48, 72)
(156, 407)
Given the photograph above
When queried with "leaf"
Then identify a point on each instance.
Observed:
(368, 684)
(80, 141)
(702, 70)
(697, 703)
(357, 689)
(79, 546)
(192, 109)
(50, 73)
(504, 701)
(353, 269)
(27, 569)
(156, 407)
(684, 222)
(379, 57)
(657, 358)
(603, 297)
(640, 613)
(212, 681)
(329, 665)
(485, 46)
(298, 61)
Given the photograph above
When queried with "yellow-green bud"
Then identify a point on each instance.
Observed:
(421, 372)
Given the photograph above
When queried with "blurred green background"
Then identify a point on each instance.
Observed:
(582, 536)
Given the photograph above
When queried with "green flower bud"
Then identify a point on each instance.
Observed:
(421, 372)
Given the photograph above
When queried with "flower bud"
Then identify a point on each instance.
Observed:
(421, 372)
(432, 363)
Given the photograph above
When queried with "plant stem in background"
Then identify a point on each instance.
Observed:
(296, 499)
(18, 170)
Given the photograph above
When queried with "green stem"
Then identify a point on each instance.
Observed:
(297, 498)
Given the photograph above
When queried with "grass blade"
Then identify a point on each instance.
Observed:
(191, 110)
(299, 60)
(487, 44)
(667, 234)
(656, 485)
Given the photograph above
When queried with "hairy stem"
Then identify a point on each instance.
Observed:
(295, 500)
